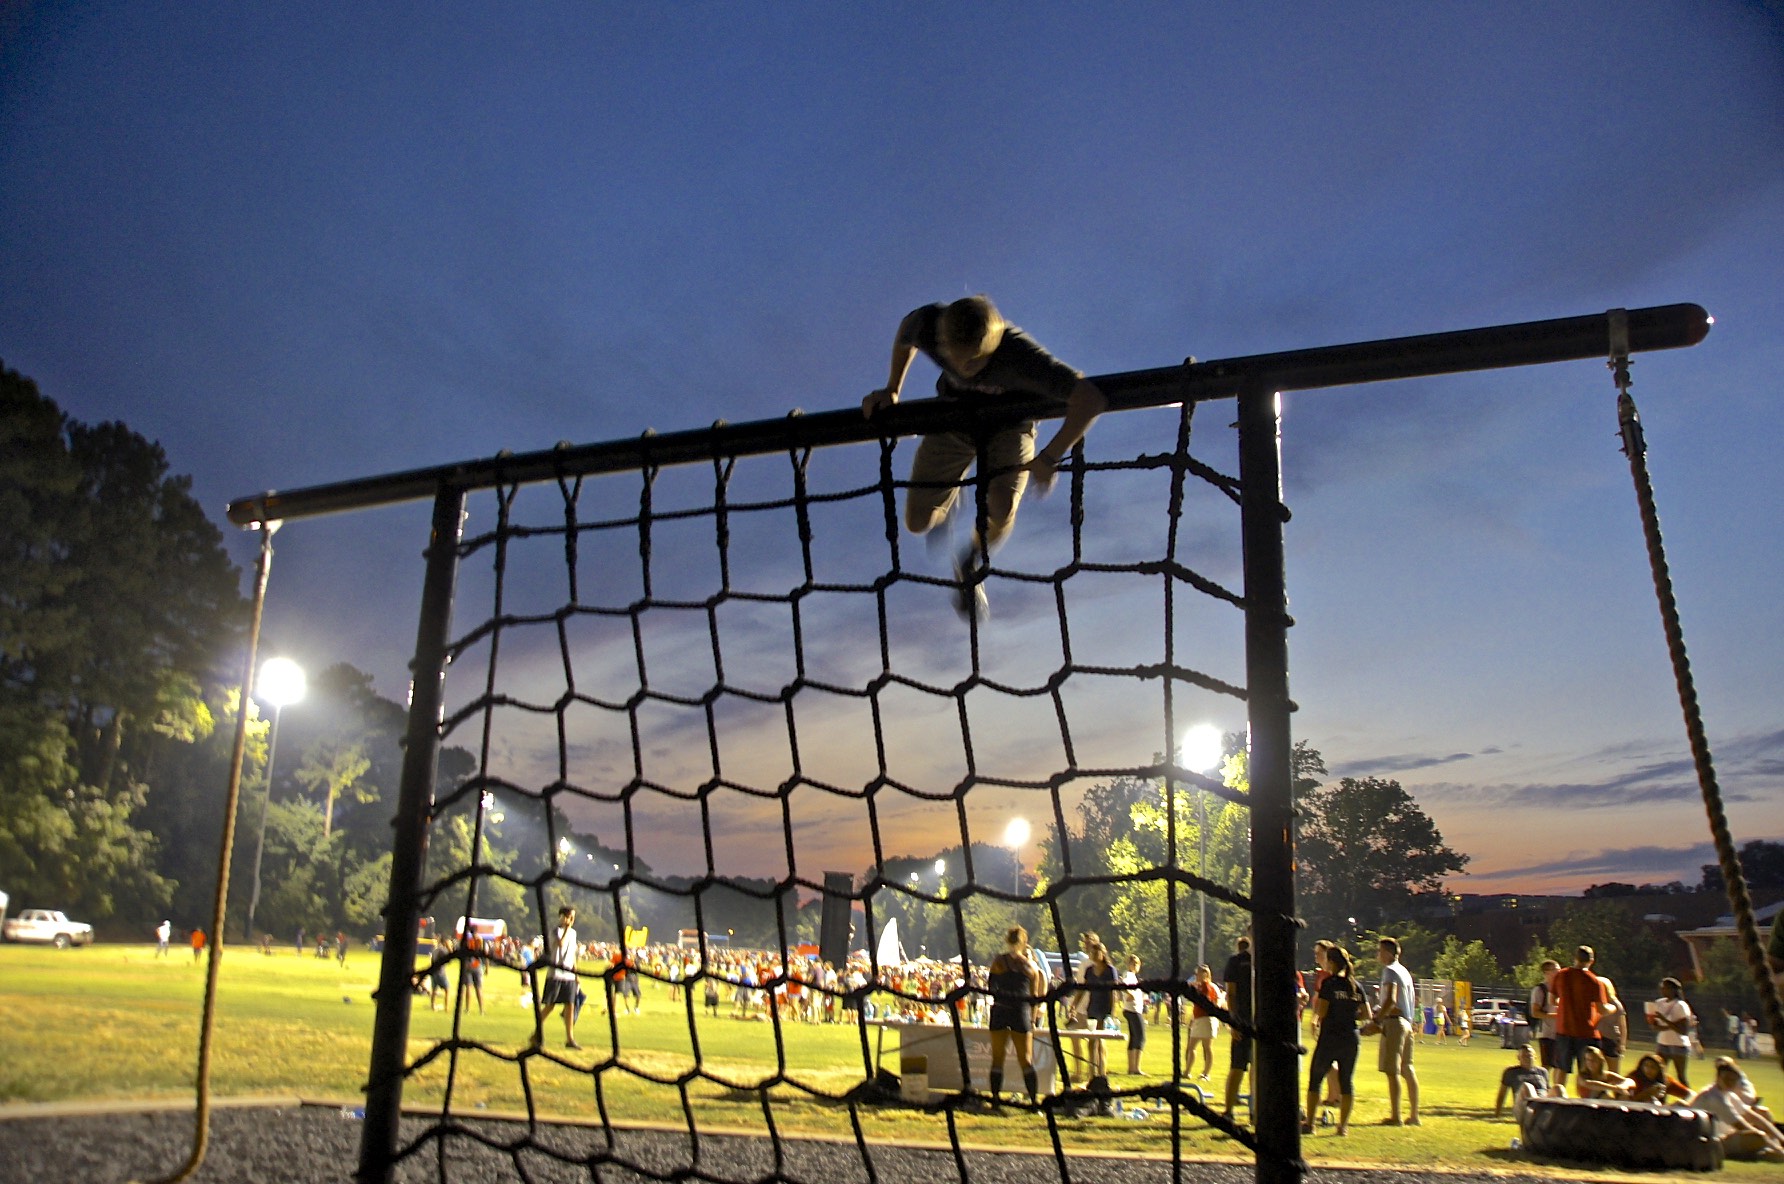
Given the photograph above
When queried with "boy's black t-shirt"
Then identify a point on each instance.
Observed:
(1018, 366)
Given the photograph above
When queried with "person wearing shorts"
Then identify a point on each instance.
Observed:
(1613, 1028)
(1542, 1013)
(982, 356)
(1204, 1026)
(560, 985)
(1579, 1001)
(1393, 1014)
(1671, 1018)
(1237, 977)
(1014, 984)
(1133, 1011)
(1340, 1002)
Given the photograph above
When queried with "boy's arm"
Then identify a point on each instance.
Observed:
(1499, 1101)
(1085, 403)
(904, 350)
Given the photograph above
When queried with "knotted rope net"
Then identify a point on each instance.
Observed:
(689, 692)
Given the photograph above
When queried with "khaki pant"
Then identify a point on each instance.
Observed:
(940, 465)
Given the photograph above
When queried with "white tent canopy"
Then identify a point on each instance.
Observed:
(890, 951)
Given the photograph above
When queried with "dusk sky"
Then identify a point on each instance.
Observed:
(301, 244)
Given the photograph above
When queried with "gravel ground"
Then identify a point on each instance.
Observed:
(316, 1143)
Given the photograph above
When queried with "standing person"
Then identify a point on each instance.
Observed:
(1671, 1018)
(1579, 1000)
(1319, 977)
(470, 967)
(1542, 1013)
(1098, 998)
(980, 354)
(1133, 1010)
(341, 946)
(197, 943)
(711, 995)
(560, 987)
(163, 935)
(1613, 1027)
(1393, 1016)
(438, 990)
(630, 989)
(300, 941)
(1239, 999)
(1731, 1025)
(1204, 1025)
(1015, 985)
(1337, 1007)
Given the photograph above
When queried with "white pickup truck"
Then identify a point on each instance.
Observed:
(48, 926)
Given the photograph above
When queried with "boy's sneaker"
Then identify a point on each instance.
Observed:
(969, 597)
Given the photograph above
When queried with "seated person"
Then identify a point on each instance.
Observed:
(1596, 1079)
(1744, 1134)
(1649, 1082)
(1523, 1081)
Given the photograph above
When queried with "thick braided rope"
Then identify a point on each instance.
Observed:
(1635, 448)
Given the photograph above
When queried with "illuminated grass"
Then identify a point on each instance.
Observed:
(115, 1023)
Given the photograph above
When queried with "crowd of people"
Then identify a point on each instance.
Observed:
(1582, 1033)
(1579, 1022)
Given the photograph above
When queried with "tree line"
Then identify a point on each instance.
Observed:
(122, 626)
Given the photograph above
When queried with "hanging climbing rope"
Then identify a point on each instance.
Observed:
(1635, 448)
(207, 1024)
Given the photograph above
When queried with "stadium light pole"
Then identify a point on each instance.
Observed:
(1015, 835)
(1200, 752)
(281, 682)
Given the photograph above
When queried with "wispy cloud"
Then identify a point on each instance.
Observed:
(1635, 773)
(1399, 763)
(1643, 863)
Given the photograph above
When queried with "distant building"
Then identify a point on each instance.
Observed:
(1510, 923)
(1698, 940)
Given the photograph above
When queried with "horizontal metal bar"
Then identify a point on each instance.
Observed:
(1671, 326)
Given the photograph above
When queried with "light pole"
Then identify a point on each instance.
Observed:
(281, 682)
(1016, 834)
(1200, 752)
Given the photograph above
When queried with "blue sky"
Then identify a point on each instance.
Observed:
(305, 245)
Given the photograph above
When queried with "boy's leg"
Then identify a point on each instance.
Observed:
(941, 461)
(1008, 454)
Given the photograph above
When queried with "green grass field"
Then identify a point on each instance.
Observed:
(115, 1023)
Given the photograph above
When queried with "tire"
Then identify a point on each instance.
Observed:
(1626, 1134)
(62, 942)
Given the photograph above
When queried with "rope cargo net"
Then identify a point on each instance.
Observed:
(690, 688)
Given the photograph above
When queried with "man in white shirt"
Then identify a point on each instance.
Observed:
(1393, 1015)
(1745, 1133)
(560, 987)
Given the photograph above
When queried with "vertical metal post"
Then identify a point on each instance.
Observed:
(1275, 1103)
(415, 800)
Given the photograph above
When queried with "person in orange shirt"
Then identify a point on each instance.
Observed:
(1579, 1000)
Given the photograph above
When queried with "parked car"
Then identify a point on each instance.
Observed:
(49, 927)
(1488, 1012)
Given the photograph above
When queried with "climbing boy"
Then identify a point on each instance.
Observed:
(980, 354)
